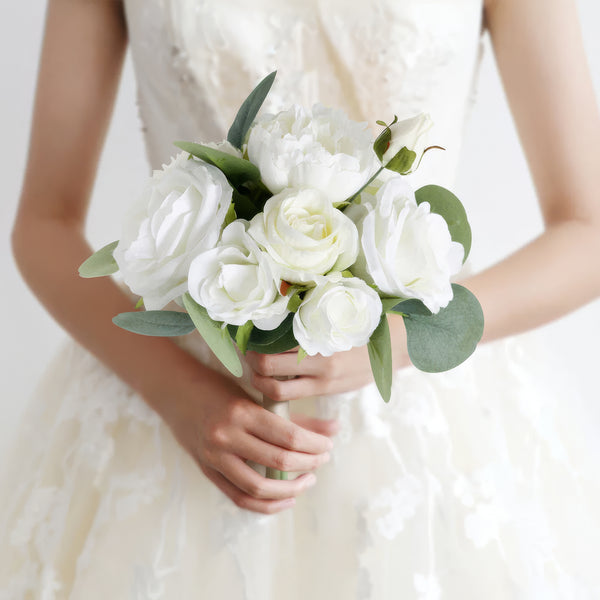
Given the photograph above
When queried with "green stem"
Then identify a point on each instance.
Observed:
(350, 200)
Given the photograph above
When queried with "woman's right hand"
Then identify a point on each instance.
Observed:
(221, 427)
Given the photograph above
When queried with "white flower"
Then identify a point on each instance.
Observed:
(322, 149)
(237, 282)
(303, 233)
(179, 214)
(409, 133)
(338, 314)
(406, 250)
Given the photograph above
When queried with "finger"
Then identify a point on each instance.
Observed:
(290, 389)
(263, 453)
(244, 500)
(281, 432)
(252, 483)
(323, 426)
(285, 364)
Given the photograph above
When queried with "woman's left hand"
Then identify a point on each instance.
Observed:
(321, 375)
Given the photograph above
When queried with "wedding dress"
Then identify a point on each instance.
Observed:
(469, 485)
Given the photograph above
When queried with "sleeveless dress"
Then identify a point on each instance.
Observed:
(469, 485)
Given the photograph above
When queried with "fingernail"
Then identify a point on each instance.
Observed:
(310, 481)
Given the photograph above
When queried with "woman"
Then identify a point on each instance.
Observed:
(446, 491)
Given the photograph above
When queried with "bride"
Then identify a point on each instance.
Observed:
(130, 477)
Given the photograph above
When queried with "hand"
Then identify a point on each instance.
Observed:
(319, 375)
(221, 427)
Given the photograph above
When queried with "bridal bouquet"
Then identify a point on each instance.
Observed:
(299, 230)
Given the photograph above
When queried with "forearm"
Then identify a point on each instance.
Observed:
(553, 275)
(48, 253)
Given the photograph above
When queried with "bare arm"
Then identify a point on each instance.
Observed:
(540, 56)
(212, 418)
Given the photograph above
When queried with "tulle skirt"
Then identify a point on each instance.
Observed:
(473, 484)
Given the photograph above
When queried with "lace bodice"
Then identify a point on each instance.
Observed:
(196, 61)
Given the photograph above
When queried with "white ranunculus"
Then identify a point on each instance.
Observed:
(321, 149)
(410, 133)
(336, 315)
(406, 250)
(237, 282)
(179, 214)
(304, 234)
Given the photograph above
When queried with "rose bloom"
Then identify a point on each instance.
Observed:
(338, 314)
(406, 250)
(305, 234)
(322, 149)
(179, 214)
(237, 282)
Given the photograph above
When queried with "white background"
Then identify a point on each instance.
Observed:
(494, 184)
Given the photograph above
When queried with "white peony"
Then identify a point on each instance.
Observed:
(237, 282)
(179, 214)
(409, 133)
(305, 235)
(321, 149)
(406, 250)
(336, 315)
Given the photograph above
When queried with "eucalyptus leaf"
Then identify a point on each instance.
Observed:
(214, 335)
(242, 336)
(158, 323)
(439, 342)
(237, 170)
(445, 203)
(248, 111)
(380, 355)
(280, 339)
(390, 303)
(100, 263)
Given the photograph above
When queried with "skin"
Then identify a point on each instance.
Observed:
(552, 100)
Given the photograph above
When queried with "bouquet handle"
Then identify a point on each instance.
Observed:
(283, 410)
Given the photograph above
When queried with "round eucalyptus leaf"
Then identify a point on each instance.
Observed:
(446, 204)
(160, 323)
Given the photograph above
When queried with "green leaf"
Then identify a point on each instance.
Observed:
(242, 336)
(159, 323)
(248, 111)
(442, 341)
(100, 263)
(230, 217)
(402, 161)
(139, 303)
(390, 303)
(301, 354)
(214, 335)
(382, 142)
(280, 339)
(295, 301)
(380, 355)
(445, 203)
(236, 169)
(244, 207)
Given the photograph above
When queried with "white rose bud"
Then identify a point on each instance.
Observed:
(321, 149)
(179, 214)
(237, 282)
(336, 315)
(305, 235)
(411, 134)
(406, 250)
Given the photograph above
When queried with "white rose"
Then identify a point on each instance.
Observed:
(336, 315)
(406, 250)
(409, 133)
(179, 214)
(322, 149)
(304, 234)
(237, 282)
